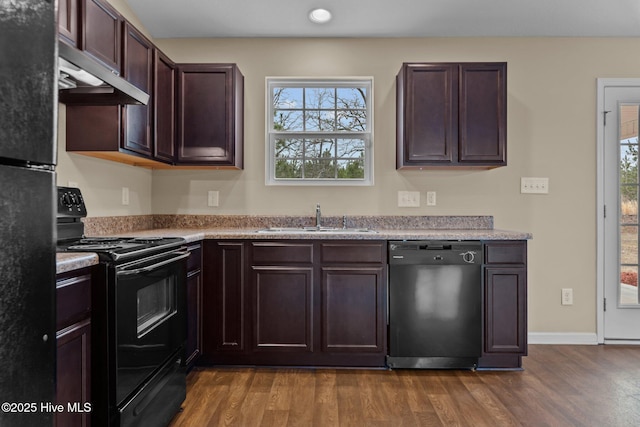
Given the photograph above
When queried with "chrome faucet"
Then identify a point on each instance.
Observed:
(318, 216)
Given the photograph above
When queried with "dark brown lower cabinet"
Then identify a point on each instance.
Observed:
(73, 355)
(323, 303)
(312, 303)
(224, 322)
(505, 304)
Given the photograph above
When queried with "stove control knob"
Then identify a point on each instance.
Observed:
(66, 200)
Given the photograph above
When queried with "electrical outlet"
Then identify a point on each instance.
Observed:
(534, 185)
(567, 296)
(213, 198)
(431, 198)
(125, 195)
(408, 199)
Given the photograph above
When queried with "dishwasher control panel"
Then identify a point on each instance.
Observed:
(435, 252)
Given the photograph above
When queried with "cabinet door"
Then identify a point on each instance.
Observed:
(282, 308)
(427, 96)
(483, 113)
(73, 374)
(101, 27)
(94, 128)
(137, 70)
(353, 309)
(505, 310)
(164, 102)
(209, 115)
(224, 298)
(68, 18)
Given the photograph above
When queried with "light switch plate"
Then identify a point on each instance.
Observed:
(531, 185)
(213, 198)
(125, 195)
(431, 198)
(408, 199)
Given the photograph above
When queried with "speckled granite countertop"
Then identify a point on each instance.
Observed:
(196, 228)
(68, 261)
(192, 235)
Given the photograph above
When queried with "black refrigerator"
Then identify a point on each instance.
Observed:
(28, 116)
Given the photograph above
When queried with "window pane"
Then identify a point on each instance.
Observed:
(287, 97)
(352, 120)
(629, 244)
(350, 147)
(320, 98)
(320, 148)
(319, 169)
(289, 168)
(288, 120)
(320, 120)
(628, 163)
(351, 169)
(290, 147)
(628, 208)
(629, 285)
(352, 97)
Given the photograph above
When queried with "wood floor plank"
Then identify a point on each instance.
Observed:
(302, 400)
(560, 386)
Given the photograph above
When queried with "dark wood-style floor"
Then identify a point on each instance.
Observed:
(560, 386)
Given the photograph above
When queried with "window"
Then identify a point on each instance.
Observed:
(319, 131)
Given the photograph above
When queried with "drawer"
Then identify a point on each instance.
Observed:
(194, 262)
(353, 252)
(505, 252)
(73, 300)
(282, 253)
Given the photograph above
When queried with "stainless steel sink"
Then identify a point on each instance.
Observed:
(323, 230)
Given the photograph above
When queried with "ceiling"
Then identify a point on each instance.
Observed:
(390, 18)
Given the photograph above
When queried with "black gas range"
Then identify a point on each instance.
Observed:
(138, 323)
(71, 238)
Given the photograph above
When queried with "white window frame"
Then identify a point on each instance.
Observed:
(272, 135)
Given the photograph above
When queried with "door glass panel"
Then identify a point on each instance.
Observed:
(156, 303)
(629, 185)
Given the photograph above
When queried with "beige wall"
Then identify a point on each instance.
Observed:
(551, 133)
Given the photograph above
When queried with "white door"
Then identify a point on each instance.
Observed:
(619, 114)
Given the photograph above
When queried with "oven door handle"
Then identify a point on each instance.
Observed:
(181, 255)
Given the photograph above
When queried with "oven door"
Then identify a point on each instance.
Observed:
(150, 311)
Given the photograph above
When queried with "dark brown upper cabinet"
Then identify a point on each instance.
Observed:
(68, 21)
(101, 33)
(210, 115)
(137, 69)
(164, 107)
(451, 114)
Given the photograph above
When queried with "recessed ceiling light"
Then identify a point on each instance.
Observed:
(320, 16)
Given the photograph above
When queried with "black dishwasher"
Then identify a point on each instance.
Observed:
(435, 299)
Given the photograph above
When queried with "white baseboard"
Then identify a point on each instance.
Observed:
(577, 338)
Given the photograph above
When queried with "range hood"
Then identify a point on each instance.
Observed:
(83, 81)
